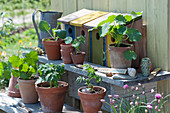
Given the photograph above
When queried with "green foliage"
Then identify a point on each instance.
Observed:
(115, 27)
(90, 75)
(24, 67)
(44, 26)
(129, 55)
(50, 73)
(76, 42)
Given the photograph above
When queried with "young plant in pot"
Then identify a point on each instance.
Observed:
(6, 75)
(78, 56)
(50, 90)
(121, 52)
(90, 95)
(52, 44)
(25, 68)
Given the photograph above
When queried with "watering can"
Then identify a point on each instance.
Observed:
(49, 16)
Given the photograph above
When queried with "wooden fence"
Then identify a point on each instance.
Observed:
(156, 16)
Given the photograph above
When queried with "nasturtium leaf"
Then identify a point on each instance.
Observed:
(31, 58)
(61, 33)
(136, 13)
(7, 74)
(129, 55)
(128, 18)
(104, 29)
(101, 23)
(122, 29)
(133, 34)
(15, 73)
(68, 40)
(111, 18)
(25, 67)
(15, 61)
(81, 39)
(76, 43)
(25, 76)
(120, 19)
(53, 30)
(44, 26)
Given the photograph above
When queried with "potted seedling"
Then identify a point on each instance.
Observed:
(78, 56)
(25, 68)
(90, 95)
(121, 52)
(50, 90)
(52, 44)
(5, 75)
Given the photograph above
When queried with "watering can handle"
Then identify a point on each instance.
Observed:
(33, 20)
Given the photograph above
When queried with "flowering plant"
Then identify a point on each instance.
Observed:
(137, 103)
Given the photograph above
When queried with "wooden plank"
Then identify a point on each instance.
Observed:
(84, 19)
(139, 6)
(101, 5)
(97, 48)
(57, 5)
(144, 36)
(118, 6)
(75, 15)
(84, 4)
(109, 41)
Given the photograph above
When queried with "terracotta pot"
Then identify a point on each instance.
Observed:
(78, 58)
(52, 99)
(12, 91)
(117, 58)
(52, 49)
(91, 101)
(66, 49)
(27, 90)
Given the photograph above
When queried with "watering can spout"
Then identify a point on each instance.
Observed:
(49, 16)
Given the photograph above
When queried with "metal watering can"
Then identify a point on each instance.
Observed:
(49, 16)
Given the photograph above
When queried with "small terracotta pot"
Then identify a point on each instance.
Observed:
(66, 49)
(12, 91)
(78, 58)
(52, 99)
(117, 58)
(52, 48)
(91, 101)
(27, 90)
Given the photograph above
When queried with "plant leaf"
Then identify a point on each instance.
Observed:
(128, 18)
(75, 43)
(104, 29)
(122, 30)
(44, 26)
(68, 40)
(111, 18)
(15, 61)
(133, 34)
(129, 55)
(32, 58)
(81, 39)
(120, 19)
(61, 33)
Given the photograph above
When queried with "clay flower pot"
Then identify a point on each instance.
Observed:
(117, 58)
(78, 58)
(52, 48)
(66, 49)
(27, 90)
(12, 91)
(91, 101)
(52, 99)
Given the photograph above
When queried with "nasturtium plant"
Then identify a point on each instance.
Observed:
(50, 73)
(90, 75)
(24, 67)
(114, 26)
(44, 26)
(76, 42)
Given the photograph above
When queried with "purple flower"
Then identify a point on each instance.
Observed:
(139, 84)
(159, 101)
(102, 100)
(143, 93)
(133, 96)
(100, 112)
(143, 86)
(132, 88)
(156, 107)
(125, 86)
(136, 103)
(159, 110)
(131, 103)
(116, 106)
(116, 96)
(112, 101)
(137, 89)
(158, 96)
(152, 91)
(110, 96)
(137, 97)
(146, 110)
(149, 106)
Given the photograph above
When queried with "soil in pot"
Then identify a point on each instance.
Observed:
(117, 58)
(66, 49)
(91, 101)
(27, 90)
(52, 48)
(78, 58)
(52, 99)
(12, 91)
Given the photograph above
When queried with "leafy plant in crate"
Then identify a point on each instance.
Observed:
(51, 91)
(78, 56)
(5, 76)
(25, 68)
(121, 53)
(52, 44)
(90, 95)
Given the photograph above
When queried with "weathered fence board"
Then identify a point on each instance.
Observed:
(84, 4)
(118, 6)
(101, 5)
